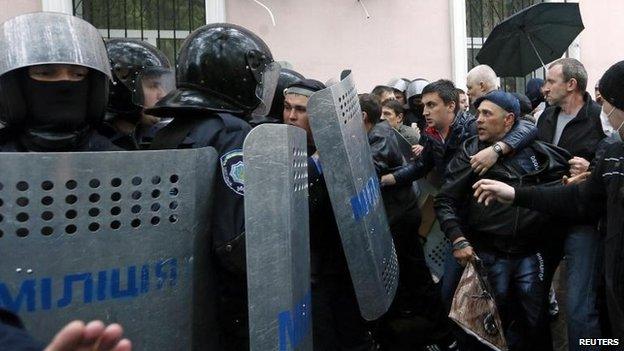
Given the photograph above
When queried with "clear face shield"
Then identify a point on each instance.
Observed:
(153, 85)
(265, 90)
(49, 38)
(146, 86)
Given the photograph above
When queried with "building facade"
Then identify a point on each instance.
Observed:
(376, 39)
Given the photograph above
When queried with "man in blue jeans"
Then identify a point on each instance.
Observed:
(510, 242)
(572, 122)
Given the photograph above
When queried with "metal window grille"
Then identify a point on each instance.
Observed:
(163, 23)
(481, 17)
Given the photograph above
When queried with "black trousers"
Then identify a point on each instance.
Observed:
(417, 316)
(336, 320)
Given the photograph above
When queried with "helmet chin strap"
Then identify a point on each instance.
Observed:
(46, 141)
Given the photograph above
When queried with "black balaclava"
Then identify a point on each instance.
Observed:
(56, 114)
(57, 106)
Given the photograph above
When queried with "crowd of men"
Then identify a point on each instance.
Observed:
(552, 158)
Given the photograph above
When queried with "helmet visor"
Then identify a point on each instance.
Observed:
(152, 85)
(266, 89)
(48, 38)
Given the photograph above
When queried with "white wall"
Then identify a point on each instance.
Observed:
(12, 8)
(601, 43)
(321, 37)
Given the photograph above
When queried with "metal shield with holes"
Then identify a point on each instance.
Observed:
(345, 156)
(277, 238)
(116, 236)
(436, 250)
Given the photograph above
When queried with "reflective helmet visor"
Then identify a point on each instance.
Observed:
(51, 38)
(266, 89)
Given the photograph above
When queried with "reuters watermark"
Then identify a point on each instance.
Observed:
(599, 342)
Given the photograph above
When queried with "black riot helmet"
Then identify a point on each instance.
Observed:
(25, 41)
(222, 67)
(135, 63)
(286, 78)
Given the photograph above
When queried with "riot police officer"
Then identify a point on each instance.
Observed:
(141, 77)
(399, 85)
(414, 113)
(54, 77)
(53, 89)
(225, 76)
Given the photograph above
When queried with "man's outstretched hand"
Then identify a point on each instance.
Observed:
(487, 191)
(76, 336)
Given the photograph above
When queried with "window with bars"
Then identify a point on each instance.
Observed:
(163, 23)
(481, 17)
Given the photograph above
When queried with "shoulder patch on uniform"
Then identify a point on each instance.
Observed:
(233, 171)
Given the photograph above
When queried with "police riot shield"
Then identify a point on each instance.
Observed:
(277, 238)
(436, 250)
(437, 246)
(116, 236)
(347, 163)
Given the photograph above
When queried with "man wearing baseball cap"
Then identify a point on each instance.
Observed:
(508, 241)
(602, 193)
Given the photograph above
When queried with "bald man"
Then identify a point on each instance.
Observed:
(481, 80)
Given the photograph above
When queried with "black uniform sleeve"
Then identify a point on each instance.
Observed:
(13, 337)
(454, 192)
(583, 202)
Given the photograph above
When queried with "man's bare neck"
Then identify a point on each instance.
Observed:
(573, 104)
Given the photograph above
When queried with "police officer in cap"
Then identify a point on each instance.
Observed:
(587, 197)
(142, 75)
(225, 76)
(53, 90)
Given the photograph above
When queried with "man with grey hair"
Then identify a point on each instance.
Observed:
(480, 80)
(572, 122)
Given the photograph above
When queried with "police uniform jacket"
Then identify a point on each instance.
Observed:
(92, 141)
(226, 133)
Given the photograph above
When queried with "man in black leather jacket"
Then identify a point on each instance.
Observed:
(508, 240)
(417, 309)
(602, 194)
(444, 134)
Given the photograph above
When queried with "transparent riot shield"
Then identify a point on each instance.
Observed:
(277, 238)
(116, 236)
(347, 163)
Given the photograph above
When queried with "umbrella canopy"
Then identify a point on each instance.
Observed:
(523, 42)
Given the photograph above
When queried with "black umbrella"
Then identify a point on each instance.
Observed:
(523, 42)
